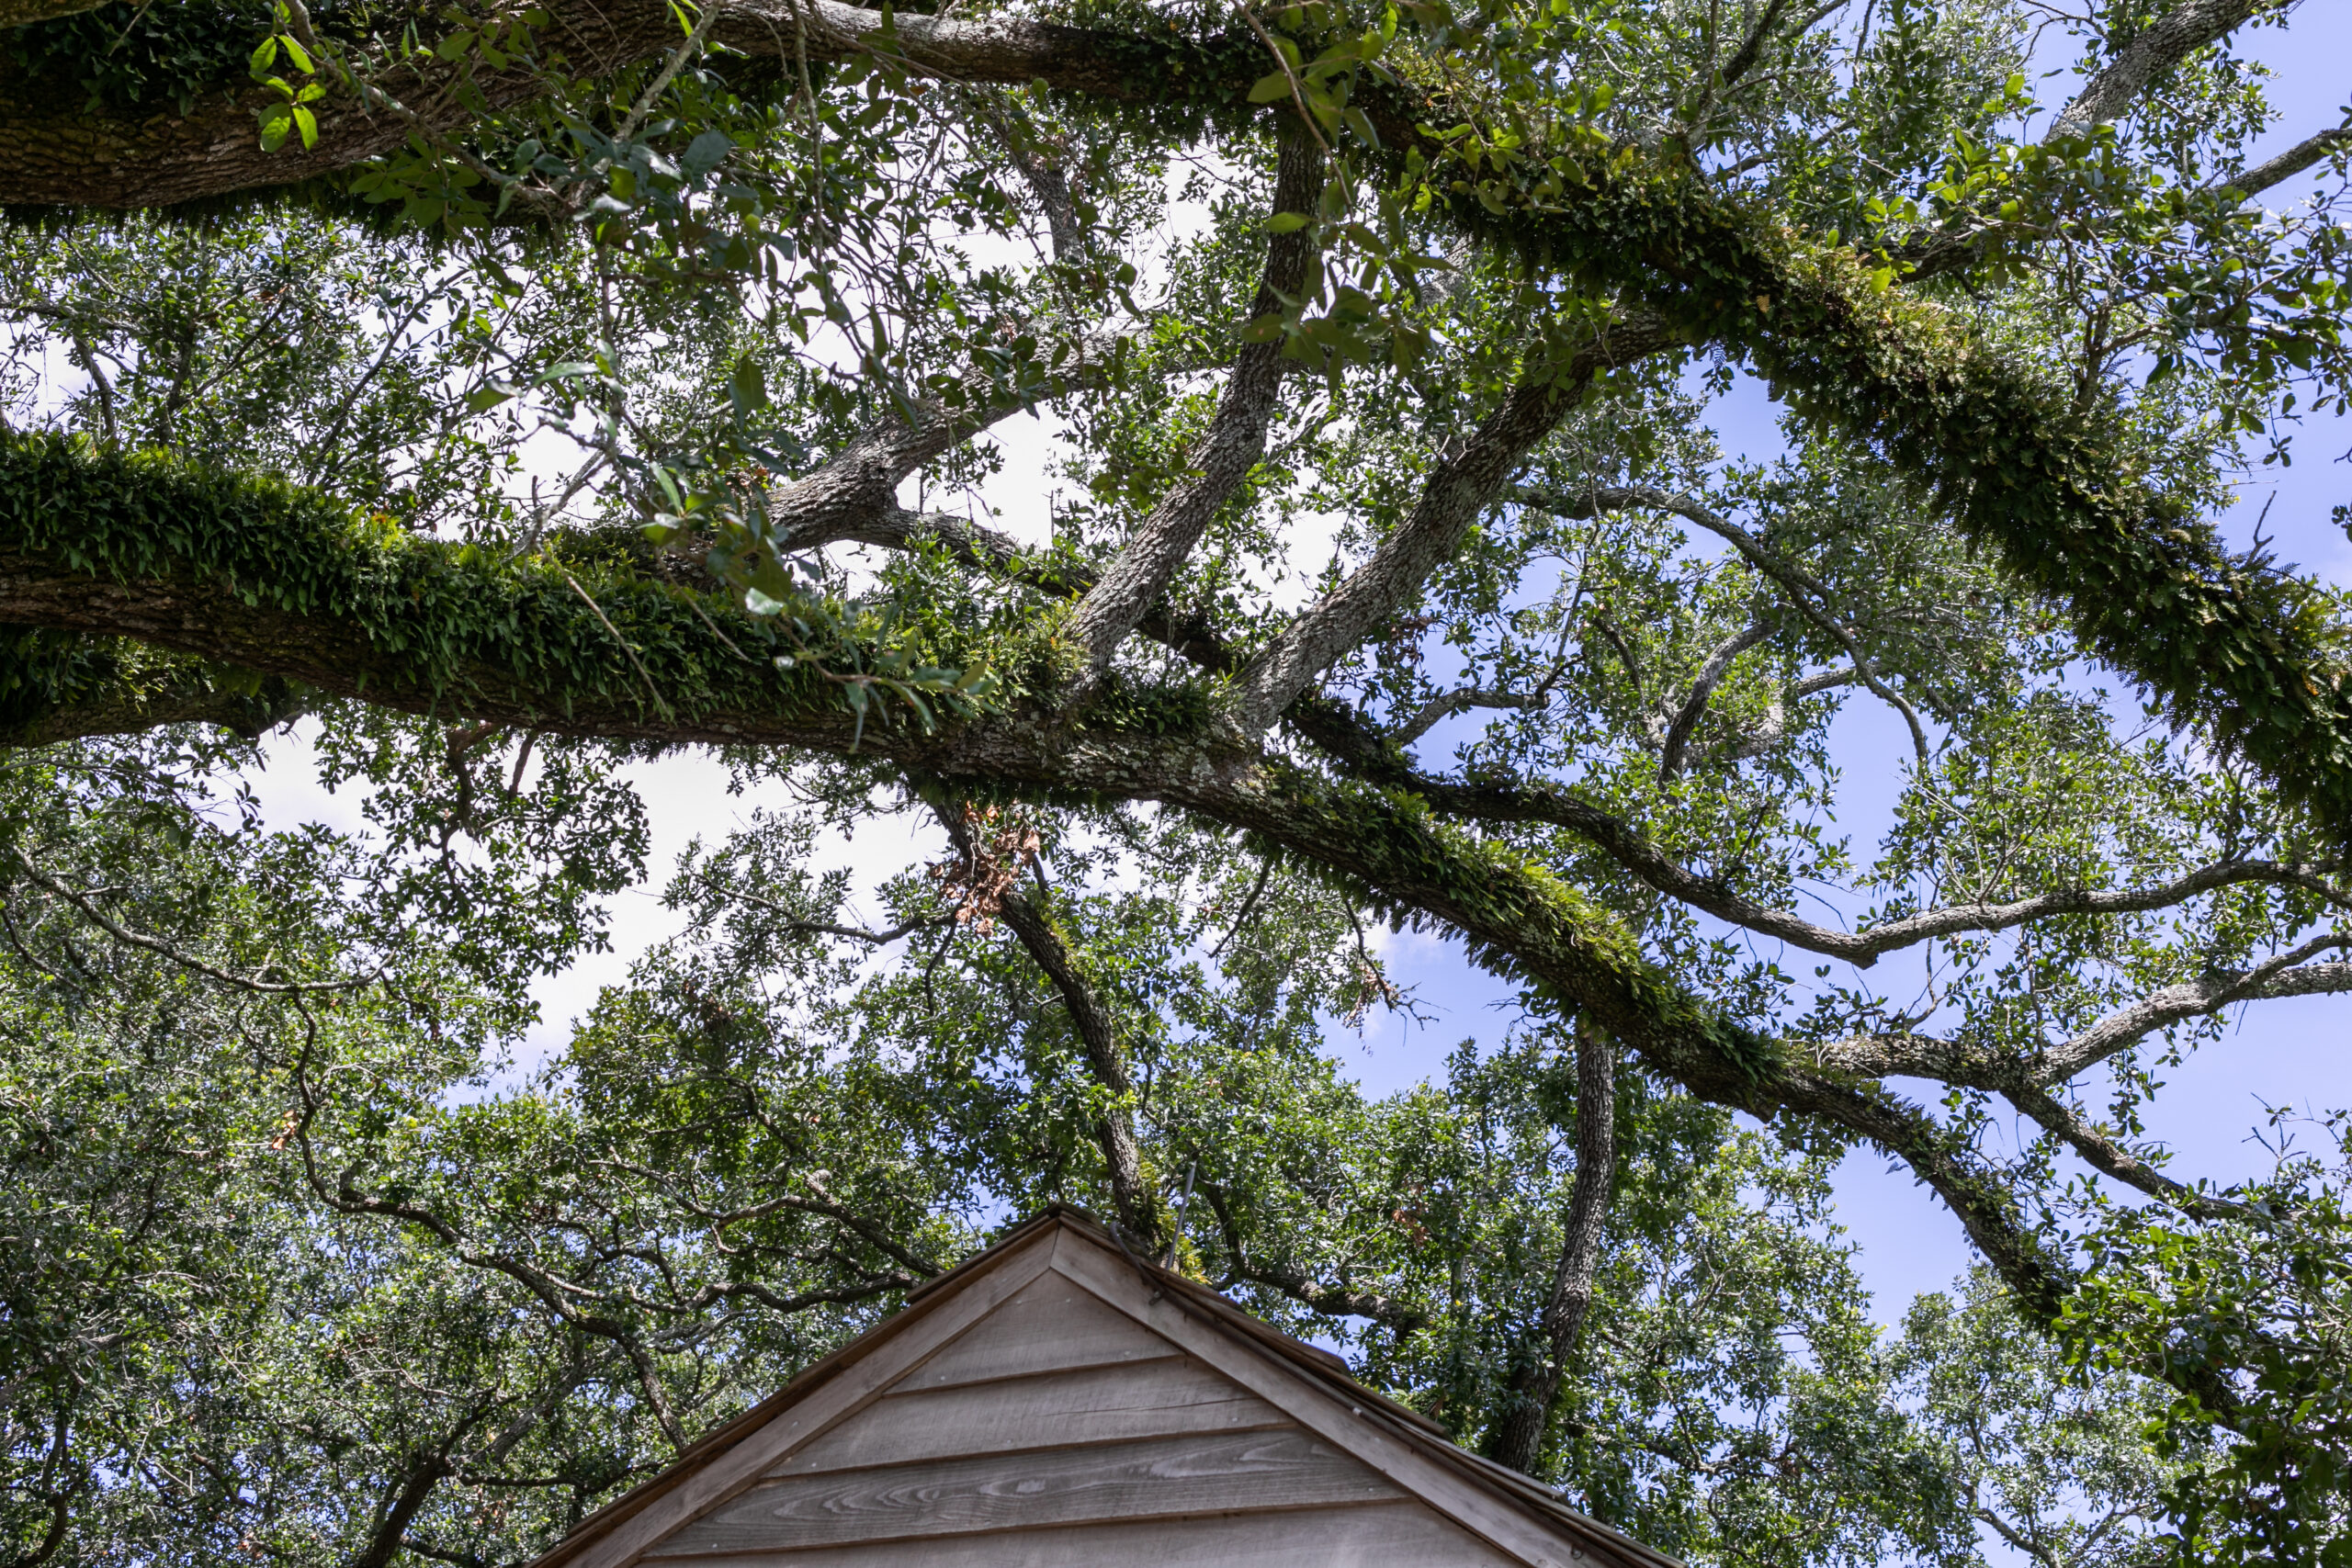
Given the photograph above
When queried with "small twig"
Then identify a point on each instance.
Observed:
(1297, 96)
(721, 635)
(669, 73)
(164, 950)
(650, 690)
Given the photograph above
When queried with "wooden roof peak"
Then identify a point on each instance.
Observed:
(1060, 1300)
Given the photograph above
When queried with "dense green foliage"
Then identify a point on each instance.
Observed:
(672, 405)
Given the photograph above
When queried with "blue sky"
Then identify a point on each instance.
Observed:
(2290, 1052)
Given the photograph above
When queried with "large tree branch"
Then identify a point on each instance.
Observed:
(1517, 1440)
(2169, 40)
(1136, 577)
(1460, 488)
(53, 150)
(2223, 642)
(265, 579)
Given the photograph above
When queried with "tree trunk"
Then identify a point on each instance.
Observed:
(1517, 1440)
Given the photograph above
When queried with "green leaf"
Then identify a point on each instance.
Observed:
(706, 153)
(1287, 222)
(1266, 89)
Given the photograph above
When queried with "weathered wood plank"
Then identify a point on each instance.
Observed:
(1122, 1481)
(1092, 1405)
(1377, 1534)
(1046, 1327)
(901, 1344)
(1323, 1411)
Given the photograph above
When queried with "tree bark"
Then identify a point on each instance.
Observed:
(54, 150)
(1141, 1212)
(1517, 1438)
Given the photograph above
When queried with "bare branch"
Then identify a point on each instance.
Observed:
(1804, 590)
(1460, 488)
(791, 922)
(1237, 436)
(857, 490)
(2171, 38)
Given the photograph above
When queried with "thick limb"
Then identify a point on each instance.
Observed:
(1140, 574)
(1517, 1440)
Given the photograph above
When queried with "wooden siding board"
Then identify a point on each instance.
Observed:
(1363, 1536)
(742, 1465)
(1376, 1535)
(1048, 1327)
(1165, 1477)
(1088, 1404)
(1320, 1410)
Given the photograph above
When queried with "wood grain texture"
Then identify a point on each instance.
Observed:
(1322, 1410)
(1167, 1477)
(1379, 1535)
(1092, 1405)
(903, 1343)
(1048, 1327)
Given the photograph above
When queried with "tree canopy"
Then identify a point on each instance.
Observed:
(512, 395)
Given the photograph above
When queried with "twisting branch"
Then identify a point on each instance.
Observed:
(1703, 689)
(1459, 489)
(1138, 1205)
(162, 949)
(1803, 589)
(1363, 751)
(1445, 704)
(1237, 436)
(1517, 1440)
(1902, 1053)
(1338, 1301)
(1098, 1033)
